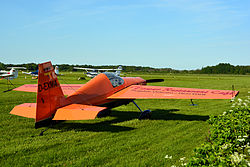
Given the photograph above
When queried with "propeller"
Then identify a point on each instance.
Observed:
(154, 80)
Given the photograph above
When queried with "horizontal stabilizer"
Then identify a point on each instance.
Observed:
(25, 110)
(67, 89)
(77, 112)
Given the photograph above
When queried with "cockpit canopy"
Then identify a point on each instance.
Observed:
(114, 79)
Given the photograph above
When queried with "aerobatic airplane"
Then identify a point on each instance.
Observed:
(91, 100)
(92, 72)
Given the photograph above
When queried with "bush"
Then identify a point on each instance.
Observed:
(228, 141)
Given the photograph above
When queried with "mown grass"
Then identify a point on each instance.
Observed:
(175, 128)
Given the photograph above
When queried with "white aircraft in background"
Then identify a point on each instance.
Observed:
(92, 72)
(9, 75)
(12, 74)
(34, 73)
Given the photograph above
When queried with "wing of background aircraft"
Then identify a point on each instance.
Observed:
(4, 72)
(17, 68)
(34, 73)
(96, 69)
(108, 69)
(101, 69)
(80, 68)
(158, 92)
(6, 75)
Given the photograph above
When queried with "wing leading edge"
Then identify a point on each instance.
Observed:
(158, 92)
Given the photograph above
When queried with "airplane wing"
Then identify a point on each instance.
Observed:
(106, 69)
(66, 88)
(80, 68)
(158, 92)
(6, 75)
(28, 73)
(109, 69)
(18, 68)
(4, 72)
(77, 112)
(93, 69)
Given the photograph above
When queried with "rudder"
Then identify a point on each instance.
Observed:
(49, 94)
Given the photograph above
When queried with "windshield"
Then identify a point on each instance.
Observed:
(114, 79)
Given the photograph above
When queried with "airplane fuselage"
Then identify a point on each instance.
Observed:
(96, 91)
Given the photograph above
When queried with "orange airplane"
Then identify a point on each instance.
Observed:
(91, 100)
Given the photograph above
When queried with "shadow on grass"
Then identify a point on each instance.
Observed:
(159, 114)
(121, 116)
(105, 126)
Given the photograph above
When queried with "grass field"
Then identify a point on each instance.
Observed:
(175, 128)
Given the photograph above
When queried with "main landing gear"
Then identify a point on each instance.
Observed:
(9, 83)
(192, 103)
(144, 114)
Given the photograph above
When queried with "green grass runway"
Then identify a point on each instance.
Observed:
(175, 128)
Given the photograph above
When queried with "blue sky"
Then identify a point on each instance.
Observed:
(180, 34)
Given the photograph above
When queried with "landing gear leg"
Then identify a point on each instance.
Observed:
(144, 114)
(9, 83)
(192, 103)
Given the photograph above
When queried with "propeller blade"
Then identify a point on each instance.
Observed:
(154, 80)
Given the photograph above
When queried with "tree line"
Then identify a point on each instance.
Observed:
(225, 68)
(222, 68)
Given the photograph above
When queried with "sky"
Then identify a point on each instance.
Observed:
(178, 34)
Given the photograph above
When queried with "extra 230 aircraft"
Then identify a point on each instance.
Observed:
(103, 92)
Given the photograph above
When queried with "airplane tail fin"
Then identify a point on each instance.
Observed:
(49, 94)
(13, 73)
(57, 70)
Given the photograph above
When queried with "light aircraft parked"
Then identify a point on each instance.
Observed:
(35, 73)
(92, 72)
(10, 75)
(92, 99)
